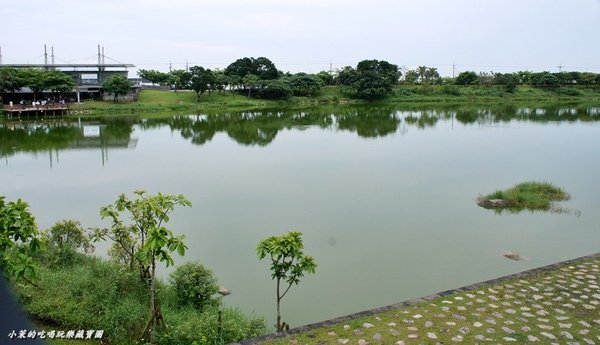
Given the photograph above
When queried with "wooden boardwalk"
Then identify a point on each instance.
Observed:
(47, 109)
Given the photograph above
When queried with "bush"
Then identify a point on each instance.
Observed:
(275, 89)
(194, 285)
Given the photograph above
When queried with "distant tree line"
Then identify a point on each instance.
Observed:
(260, 78)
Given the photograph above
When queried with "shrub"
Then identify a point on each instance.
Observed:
(275, 89)
(194, 285)
(187, 326)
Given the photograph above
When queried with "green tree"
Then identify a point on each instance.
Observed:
(34, 79)
(201, 80)
(467, 78)
(19, 239)
(116, 85)
(57, 81)
(262, 67)
(154, 76)
(275, 89)
(326, 78)
(250, 81)
(146, 240)
(9, 80)
(303, 84)
(180, 79)
(507, 80)
(288, 264)
(346, 76)
(375, 79)
(220, 80)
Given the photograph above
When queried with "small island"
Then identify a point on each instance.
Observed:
(534, 196)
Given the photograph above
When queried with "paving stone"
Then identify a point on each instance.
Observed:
(585, 324)
(428, 324)
(480, 337)
(362, 342)
(584, 331)
(490, 331)
(431, 335)
(332, 333)
(546, 327)
(564, 325)
(548, 335)
(526, 328)
(358, 332)
(508, 330)
(343, 340)
(459, 317)
(394, 332)
(347, 327)
(532, 338)
(400, 342)
(509, 339)
(464, 330)
(589, 341)
(491, 321)
(417, 316)
(450, 323)
(566, 334)
(412, 329)
(368, 325)
(477, 324)
(413, 336)
(377, 336)
(457, 338)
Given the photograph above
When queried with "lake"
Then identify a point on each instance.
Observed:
(384, 195)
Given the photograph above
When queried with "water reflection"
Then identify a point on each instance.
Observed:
(261, 127)
(54, 135)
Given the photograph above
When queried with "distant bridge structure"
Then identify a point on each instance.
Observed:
(88, 77)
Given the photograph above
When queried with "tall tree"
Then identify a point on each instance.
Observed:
(152, 241)
(200, 80)
(288, 265)
(375, 79)
(180, 79)
(262, 67)
(117, 85)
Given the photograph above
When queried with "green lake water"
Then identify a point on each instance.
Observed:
(385, 196)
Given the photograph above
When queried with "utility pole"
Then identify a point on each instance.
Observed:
(560, 67)
(187, 66)
(0, 55)
(99, 56)
(103, 55)
(52, 56)
(45, 55)
(170, 66)
(453, 70)
(330, 68)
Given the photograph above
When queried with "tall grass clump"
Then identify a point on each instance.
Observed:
(526, 195)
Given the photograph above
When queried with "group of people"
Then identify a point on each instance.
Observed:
(43, 102)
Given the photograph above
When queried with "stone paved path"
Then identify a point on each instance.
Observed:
(558, 306)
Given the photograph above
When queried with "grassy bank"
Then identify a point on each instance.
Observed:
(161, 101)
(90, 293)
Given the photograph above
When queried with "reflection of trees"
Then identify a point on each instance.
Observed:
(36, 138)
(50, 135)
(261, 127)
(369, 122)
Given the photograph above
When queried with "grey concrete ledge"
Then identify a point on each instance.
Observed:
(317, 325)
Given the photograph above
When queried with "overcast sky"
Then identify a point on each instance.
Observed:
(308, 35)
